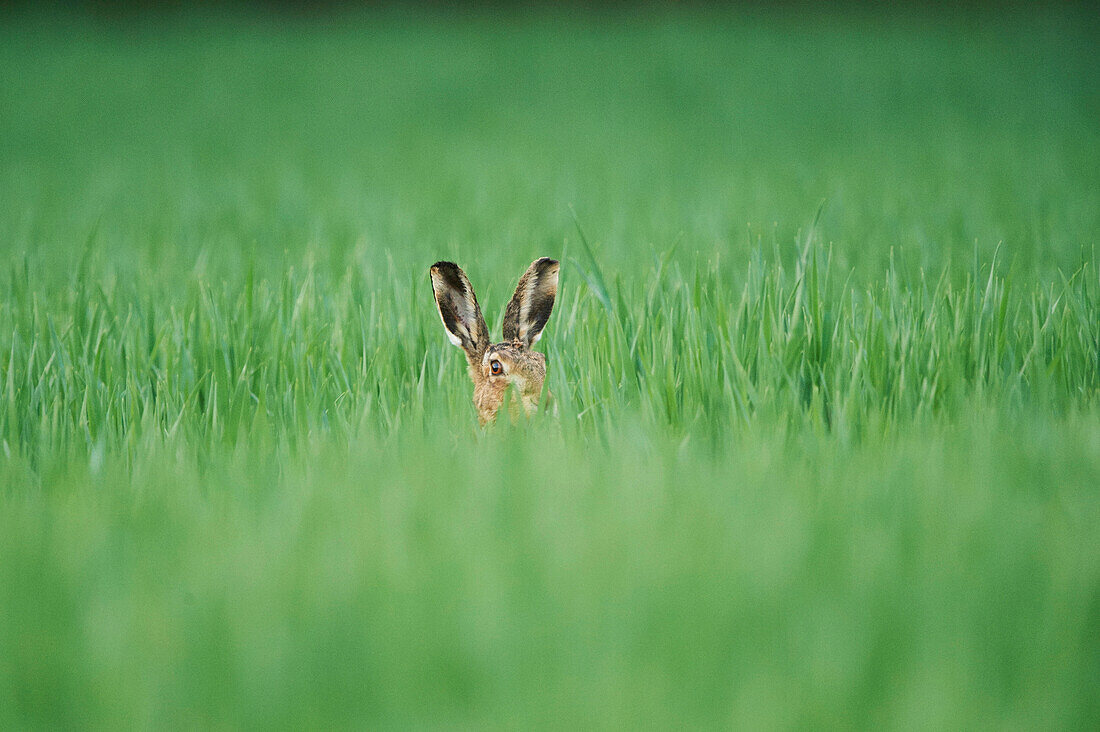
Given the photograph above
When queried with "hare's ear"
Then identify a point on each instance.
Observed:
(530, 307)
(458, 308)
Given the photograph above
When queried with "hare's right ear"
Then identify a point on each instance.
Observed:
(530, 306)
(458, 308)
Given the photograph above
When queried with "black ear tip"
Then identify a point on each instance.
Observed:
(450, 275)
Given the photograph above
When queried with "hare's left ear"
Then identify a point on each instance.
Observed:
(530, 307)
(458, 308)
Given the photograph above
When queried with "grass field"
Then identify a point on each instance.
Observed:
(826, 355)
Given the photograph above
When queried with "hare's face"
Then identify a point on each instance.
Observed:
(495, 366)
(511, 363)
(507, 365)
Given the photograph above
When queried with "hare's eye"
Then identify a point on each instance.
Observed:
(496, 368)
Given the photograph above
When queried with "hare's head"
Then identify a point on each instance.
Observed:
(495, 366)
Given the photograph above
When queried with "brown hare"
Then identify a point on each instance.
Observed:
(495, 366)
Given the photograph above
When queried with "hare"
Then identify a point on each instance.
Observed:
(493, 366)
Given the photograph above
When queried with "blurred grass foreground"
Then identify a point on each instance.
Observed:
(827, 356)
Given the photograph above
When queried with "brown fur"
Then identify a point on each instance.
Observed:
(525, 317)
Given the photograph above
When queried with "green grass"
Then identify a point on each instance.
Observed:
(826, 355)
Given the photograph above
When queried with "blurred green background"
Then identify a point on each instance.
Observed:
(469, 133)
(827, 358)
